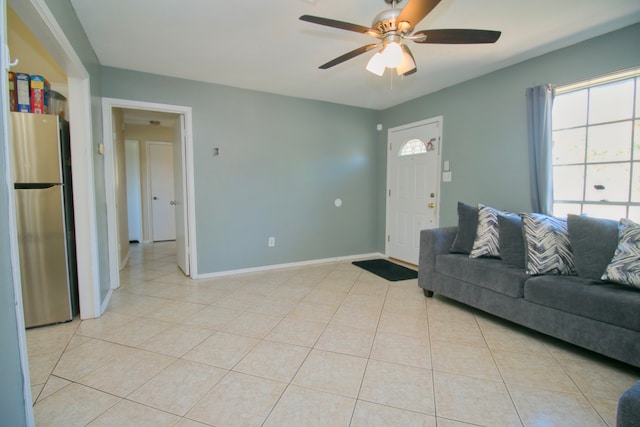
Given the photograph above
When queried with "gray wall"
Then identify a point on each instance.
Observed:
(67, 19)
(12, 404)
(283, 162)
(485, 129)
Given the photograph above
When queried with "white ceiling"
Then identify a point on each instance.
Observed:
(261, 45)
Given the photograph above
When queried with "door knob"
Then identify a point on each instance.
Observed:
(155, 198)
(172, 203)
(432, 205)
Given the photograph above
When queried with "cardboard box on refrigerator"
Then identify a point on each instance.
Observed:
(39, 86)
(23, 92)
(13, 92)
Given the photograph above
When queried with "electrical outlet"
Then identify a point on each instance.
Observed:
(272, 242)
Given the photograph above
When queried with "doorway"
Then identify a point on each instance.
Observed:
(413, 186)
(182, 184)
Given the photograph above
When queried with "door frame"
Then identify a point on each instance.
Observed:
(436, 119)
(187, 151)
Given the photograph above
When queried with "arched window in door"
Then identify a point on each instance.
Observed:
(412, 147)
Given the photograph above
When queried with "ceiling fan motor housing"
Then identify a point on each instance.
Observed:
(385, 21)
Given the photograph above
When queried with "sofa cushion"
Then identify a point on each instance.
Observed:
(547, 249)
(593, 242)
(489, 273)
(487, 241)
(467, 224)
(625, 265)
(511, 240)
(606, 302)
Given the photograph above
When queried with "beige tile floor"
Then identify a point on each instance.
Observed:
(322, 345)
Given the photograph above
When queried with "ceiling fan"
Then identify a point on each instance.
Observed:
(393, 26)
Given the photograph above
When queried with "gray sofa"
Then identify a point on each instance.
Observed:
(629, 407)
(599, 316)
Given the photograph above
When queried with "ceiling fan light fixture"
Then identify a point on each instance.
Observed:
(407, 64)
(376, 64)
(392, 55)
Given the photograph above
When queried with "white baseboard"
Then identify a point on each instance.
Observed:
(287, 265)
(105, 303)
(124, 262)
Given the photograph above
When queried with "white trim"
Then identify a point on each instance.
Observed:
(288, 265)
(84, 198)
(148, 212)
(126, 259)
(107, 105)
(103, 306)
(111, 197)
(600, 80)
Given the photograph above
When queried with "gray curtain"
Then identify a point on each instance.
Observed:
(539, 103)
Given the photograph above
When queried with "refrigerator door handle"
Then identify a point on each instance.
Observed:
(34, 186)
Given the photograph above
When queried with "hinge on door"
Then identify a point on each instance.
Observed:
(388, 237)
(390, 146)
(389, 192)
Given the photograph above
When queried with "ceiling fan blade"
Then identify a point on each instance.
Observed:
(452, 36)
(415, 11)
(348, 55)
(339, 24)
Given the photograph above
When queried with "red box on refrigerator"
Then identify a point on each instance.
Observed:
(38, 84)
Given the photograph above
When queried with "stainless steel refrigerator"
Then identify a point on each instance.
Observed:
(44, 215)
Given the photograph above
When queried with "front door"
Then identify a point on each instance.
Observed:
(163, 215)
(413, 186)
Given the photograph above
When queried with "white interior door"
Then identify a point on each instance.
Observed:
(413, 186)
(161, 182)
(180, 189)
(134, 192)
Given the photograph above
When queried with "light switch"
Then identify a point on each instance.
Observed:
(446, 176)
(446, 166)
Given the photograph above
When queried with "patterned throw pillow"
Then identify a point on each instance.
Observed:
(487, 241)
(511, 240)
(625, 265)
(547, 247)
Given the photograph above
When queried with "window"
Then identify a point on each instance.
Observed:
(596, 148)
(413, 146)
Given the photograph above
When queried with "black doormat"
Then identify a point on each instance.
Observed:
(387, 269)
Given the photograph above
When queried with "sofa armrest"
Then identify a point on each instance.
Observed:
(433, 242)
(629, 407)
